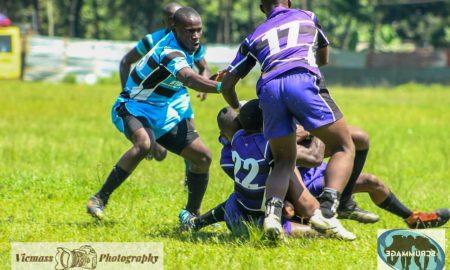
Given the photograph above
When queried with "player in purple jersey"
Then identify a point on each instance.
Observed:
(290, 46)
(379, 193)
(247, 159)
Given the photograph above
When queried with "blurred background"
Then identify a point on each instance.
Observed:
(387, 42)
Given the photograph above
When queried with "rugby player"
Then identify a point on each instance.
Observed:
(247, 159)
(311, 152)
(290, 46)
(143, 47)
(145, 114)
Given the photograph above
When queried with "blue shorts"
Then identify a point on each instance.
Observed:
(236, 217)
(292, 96)
(160, 117)
(314, 178)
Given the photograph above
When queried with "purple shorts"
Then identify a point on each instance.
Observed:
(236, 216)
(314, 178)
(295, 95)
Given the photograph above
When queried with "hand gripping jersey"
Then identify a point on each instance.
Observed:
(288, 39)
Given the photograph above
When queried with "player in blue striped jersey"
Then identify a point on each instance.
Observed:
(150, 40)
(144, 112)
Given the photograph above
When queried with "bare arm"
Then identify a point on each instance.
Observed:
(195, 81)
(203, 70)
(322, 56)
(310, 153)
(229, 82)
(125, 65)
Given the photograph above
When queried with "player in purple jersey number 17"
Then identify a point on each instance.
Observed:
(288, 91)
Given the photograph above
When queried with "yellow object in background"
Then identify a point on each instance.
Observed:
(10, 53)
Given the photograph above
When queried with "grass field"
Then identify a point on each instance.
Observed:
(57, 144)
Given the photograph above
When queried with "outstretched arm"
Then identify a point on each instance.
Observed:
(197, 82)
(125, 65)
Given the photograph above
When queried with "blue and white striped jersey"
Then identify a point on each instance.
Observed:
(153, 79)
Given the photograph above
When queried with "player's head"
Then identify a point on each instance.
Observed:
(188, 28)
(167, 15)
(228, 123)
(250, 117)
(267, 6)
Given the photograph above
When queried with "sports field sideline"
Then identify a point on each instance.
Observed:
(57, 144)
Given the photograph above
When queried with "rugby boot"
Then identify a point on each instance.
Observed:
(186, 220)
(330, 227)
(423, 220)
(95, 207)
(272, 221)
(351, 210)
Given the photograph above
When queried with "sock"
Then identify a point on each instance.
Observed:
(115, 178)
(274, 206)
(394, 206)
(329, 202)
(217, 214)
(186, 170)
(196, 183)
(360, 160)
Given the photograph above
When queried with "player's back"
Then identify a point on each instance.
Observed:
(288, 39)
(250, 156)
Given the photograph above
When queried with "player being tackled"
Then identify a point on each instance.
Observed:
(247, 158)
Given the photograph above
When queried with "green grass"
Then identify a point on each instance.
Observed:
(57, 144)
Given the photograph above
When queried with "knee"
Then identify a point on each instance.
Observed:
(202, 161)
(373, 182)
(143, 146)
(361, 139)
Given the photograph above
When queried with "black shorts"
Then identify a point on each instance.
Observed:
(178, 138)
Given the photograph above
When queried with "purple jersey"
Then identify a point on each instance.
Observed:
(288, 39)
(247, 160)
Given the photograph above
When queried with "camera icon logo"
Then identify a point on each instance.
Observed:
(84, 257)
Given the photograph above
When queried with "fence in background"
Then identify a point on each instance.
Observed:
(52, 59)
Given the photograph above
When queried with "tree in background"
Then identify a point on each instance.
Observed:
(350, 24)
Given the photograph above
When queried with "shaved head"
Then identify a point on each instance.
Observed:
(167, 14)
(170, 9)
(228, 122)
(184, 15)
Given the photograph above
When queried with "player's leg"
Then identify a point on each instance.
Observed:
(184, 141)
(337, 138)
(361, 140)
(316, 112)
(306, 205)
(215, 215)
(279, 128)
(143, 141)
(384, 198)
